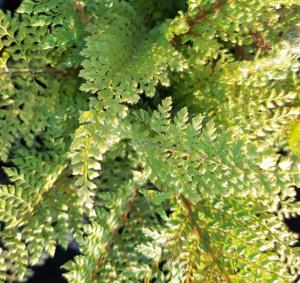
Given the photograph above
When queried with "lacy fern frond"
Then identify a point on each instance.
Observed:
(162, 136)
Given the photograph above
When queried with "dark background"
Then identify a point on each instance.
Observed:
(51, 271)
(10, 4)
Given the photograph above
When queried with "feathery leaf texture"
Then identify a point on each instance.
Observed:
(163, 136)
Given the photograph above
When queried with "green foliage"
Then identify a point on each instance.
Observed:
(162, 136)
(294, 139)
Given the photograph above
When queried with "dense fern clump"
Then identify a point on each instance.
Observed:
(163, 136)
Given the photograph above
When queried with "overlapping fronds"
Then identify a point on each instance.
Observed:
(163, 136)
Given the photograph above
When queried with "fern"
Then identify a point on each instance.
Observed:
(162, 136)
(294, 138)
